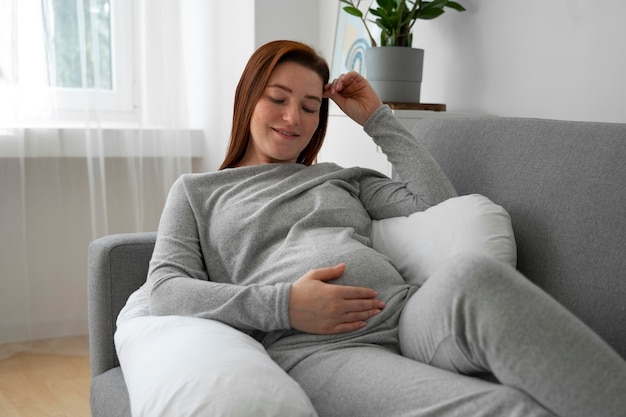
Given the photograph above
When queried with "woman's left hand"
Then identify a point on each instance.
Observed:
(354, 95)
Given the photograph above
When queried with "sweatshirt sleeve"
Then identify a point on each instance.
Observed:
(419, 182)
(179, 284)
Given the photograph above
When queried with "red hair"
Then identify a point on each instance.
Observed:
(251, 86)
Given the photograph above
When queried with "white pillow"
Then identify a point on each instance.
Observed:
(184, 366)
(417, 244)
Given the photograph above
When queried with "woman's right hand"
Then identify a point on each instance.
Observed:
(354, 95)
(321, 308)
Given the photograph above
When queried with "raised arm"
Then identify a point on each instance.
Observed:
(420, 181)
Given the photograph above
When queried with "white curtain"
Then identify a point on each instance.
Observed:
(82, 162)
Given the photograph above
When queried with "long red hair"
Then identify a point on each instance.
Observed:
(252, 84)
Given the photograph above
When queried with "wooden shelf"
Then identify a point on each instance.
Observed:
(417, 106)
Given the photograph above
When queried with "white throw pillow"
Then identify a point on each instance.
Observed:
(417, 244)
(184, 366)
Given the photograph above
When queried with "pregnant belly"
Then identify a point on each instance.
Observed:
(367, 268)
(322, 248)
(364, 268)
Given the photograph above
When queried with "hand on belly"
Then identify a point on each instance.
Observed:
(316, 306)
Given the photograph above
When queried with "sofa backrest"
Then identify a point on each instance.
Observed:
(564, 185)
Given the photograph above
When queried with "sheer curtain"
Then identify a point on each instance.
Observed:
(79, 162)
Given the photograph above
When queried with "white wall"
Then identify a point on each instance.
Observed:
(286, 19)
(216, 52)
(558, 59)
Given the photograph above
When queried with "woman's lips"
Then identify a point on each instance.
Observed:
(286, 133)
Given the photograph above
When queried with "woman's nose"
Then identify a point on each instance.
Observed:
(291, 115)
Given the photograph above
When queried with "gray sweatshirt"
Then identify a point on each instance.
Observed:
(231, 243)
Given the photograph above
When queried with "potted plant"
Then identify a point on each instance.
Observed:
(395, 68)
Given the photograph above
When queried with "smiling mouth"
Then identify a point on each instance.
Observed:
(286, 133)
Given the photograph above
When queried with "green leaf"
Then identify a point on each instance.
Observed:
(376, 12)
(431, 14)
(436, 4)
(386, 4)
(456, 6)
(353, 11)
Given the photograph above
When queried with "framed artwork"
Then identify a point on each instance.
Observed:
(351, 41)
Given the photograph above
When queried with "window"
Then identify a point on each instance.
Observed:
(78, 43)
(78, 53)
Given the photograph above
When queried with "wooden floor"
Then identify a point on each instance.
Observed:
(49, 379)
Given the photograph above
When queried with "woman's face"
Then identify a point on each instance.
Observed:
(286, 116)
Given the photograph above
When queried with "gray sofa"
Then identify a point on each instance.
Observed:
(563, 183)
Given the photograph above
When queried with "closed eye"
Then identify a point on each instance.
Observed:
(276, 100)
(282, 101)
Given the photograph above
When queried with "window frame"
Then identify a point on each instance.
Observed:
(121, 97)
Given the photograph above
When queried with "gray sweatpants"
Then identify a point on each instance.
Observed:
(477, 339)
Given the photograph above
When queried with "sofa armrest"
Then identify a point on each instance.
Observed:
(117, 266)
